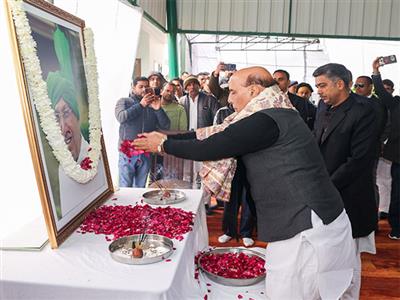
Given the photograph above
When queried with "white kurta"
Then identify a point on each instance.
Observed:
(193, 112)
(384, 183)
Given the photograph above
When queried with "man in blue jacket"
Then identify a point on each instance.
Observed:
(141, 112)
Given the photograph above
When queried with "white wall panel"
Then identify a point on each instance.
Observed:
(238, 14)
(343, 23)
(224, 17)
(330, 17)
(316, 17)
(251, 15)
(356, 18)
(199, 15)
(264, 16)
(370, 18)
(301, 16)
(394, 29)
(279, 16)
(157, 9)
(211, 16)
(386, 14)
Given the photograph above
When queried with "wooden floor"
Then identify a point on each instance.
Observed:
(380, 272)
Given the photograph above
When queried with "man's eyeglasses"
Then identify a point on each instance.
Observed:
(359, 85)
(65, 114)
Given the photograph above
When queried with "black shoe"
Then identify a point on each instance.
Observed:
(383, 215)
(220, 203)
(208, 210)
(394, 235)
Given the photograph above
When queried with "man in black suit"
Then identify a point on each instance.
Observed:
(346, 132)
(391, 151)
(363, 88)
(305, 108)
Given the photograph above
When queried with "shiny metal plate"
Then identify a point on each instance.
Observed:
(158, 197)
(156, 248)
(232, 281)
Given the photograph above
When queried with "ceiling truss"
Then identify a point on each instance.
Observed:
(255, 42)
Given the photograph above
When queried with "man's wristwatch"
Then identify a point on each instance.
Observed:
(160, 147)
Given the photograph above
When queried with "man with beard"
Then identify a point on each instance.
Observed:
(200, 109)
(172, 166)
(139, 113)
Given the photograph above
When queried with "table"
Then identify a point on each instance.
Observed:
(83, 269)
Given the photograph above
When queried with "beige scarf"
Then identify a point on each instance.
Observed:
(217, 175)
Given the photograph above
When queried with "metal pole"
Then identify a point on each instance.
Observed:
(172, 28)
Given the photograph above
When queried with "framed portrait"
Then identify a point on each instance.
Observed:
(61, 52)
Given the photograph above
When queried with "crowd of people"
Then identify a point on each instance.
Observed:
(305, 176)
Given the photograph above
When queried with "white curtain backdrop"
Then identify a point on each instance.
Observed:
(116, 27)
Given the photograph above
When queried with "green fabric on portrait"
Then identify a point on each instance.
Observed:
(58, 87)
(61, 46)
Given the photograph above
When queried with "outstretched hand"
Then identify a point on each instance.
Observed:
(149, 142)
(219, 68)
(376, 65)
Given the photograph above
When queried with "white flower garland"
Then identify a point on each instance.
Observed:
(42, 102)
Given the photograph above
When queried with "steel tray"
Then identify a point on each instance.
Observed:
(231, 281)
(156, 248)
(156, 197)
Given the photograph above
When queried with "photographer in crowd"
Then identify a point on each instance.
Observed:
(141, 112)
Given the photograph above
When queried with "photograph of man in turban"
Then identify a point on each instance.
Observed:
(61, 56)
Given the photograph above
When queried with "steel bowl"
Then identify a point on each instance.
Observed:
(156, 248)
(231, 281)
(156, 197)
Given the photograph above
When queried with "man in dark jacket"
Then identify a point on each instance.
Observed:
(200, 110)
(219, 92)
(305, 108)
(346, 133)
(363, 89)
(391, 150)
(139, 113)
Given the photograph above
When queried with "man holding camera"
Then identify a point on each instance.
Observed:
(221, 92)
(139, 113)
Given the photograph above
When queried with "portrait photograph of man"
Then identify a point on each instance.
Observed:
(60, 52)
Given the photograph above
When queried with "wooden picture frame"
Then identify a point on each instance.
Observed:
(65, 202)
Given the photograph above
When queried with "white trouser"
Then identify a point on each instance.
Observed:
(384, 183)
(317, 263)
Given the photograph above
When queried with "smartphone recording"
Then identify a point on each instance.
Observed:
(385, 60)
(230, 67)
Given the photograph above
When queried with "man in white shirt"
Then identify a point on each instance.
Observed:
(200, 109)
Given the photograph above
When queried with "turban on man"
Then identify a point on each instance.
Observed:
(60, 83)
(59, 87)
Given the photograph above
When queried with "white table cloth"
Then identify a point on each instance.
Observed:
(83, 269)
